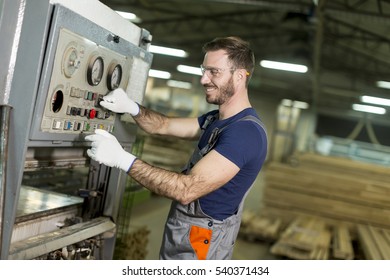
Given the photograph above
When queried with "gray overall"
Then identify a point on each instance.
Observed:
(189, 233)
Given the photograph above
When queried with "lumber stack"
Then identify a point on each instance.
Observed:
(255, 227)
(304, 239)
(375, 242)
(133, 244)
(337, 194)
(341, 164)
(351, 197)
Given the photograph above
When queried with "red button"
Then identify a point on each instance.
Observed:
(92, 113)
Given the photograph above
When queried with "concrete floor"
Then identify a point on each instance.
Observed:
(152, 213)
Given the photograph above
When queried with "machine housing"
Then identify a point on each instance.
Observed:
(56, 203)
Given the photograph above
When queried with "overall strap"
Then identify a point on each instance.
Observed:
(217, 131)
(209, 120)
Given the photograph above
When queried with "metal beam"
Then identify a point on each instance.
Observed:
(4, 128)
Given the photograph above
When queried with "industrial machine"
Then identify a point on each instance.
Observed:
(59, 58)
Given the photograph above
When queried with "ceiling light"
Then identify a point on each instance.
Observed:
(369, 109)
(159, 74)
(168, 51)
(375, 100)
(295, 104)
(383, 84)
(284, 66)
(287, 102)
(300, 104)
(189, 70)
(130, 16)
(179, 84)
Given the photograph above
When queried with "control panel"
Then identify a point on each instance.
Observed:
(83, 72)
(82, 62)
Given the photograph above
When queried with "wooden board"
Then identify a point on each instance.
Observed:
(342, 243)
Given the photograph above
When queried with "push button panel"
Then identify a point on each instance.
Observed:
(82, 75)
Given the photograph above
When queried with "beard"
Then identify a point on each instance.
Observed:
(225, 92)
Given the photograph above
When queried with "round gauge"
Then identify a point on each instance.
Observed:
(70, 62)
(95, 70)
(114, 76)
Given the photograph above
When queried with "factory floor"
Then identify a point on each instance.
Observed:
(152, 214)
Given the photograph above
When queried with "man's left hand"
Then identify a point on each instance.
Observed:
(106, 150)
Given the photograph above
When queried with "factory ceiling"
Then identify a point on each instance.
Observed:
(344, 43)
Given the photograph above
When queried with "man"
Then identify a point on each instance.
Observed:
(208, 195)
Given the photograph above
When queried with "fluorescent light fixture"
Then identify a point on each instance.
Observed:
(375, 100)
(189, 70)
(284, 66)
(179, 84)
(130, 16)
(287, 102)
(369, 109)
(383, 84)
(159, 74)
(168, 51)
(295, 104)
(300, 104)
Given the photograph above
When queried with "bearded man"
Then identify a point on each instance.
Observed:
(208, 196)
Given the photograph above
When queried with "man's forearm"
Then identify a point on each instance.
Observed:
(150, 121)
(166, 183)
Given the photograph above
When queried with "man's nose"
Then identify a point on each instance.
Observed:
(204, 79)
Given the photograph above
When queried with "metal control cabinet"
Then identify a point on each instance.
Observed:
(62, 58)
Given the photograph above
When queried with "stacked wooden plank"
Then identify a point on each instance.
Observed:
(341, 164)
(375, 242)
(304, 239)
(342, 243)
(255, 227)
(337, 194)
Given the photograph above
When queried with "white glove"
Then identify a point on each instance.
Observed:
(106, 150)
(118, 102)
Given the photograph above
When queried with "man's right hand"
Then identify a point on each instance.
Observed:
(118, 102)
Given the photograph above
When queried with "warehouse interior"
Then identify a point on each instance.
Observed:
(325, 159)
(323, 192)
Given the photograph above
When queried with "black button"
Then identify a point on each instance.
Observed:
(210, 224)
(206, 241)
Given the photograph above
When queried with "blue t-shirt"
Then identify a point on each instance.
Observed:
(245, 144)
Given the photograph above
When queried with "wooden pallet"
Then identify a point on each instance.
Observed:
(255, 227)
(304, 239)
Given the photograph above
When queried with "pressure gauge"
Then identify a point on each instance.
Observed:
(70, 61)
(95, 70)
(114, 76)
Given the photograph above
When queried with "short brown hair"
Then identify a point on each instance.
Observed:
(238, 51)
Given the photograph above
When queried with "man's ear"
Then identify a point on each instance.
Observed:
(241, 73)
